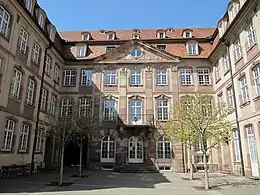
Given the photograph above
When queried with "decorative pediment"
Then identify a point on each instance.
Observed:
(136, 97)
(110, 97)
(162, 96)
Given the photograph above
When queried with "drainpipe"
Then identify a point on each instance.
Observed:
(236, 108)
(38, 108)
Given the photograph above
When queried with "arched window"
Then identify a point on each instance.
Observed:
(164, 149)
(108, 149)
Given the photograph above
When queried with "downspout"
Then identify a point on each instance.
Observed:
(235, 105)
(39, 107)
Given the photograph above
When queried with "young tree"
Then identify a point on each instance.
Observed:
(203, 123)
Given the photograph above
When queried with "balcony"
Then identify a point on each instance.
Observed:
(135, 120)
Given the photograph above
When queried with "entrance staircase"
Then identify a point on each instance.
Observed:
(145, 167)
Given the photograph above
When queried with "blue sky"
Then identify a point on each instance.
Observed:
(125, 14)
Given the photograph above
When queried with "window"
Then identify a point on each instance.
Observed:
(161, 77)
(85, 106)
(69, 78)
(136, 53)
(164, 151)
(109, 110)
(217, 72)
(41, 20)
(36, 53)
(136, 108)
(136, 36)
(251, 39)
(226, 62)
(111, 36)
(187, 34)
(230, 98)
(23, 41)
(220, 101)
(66, 107)
(44, 99)
(110, 77)
(232, 12)
(29, 5)
(193, 49)
(161, 35)
(81, 51)
(52, 34)
(256, 72)
(16, 84)
(4, 21)
(238, 50)
(86, 37)
(236, 146)
(24, 136)
(222, 28)
(108, 149)
(161, 47)
(186, 76)
(204, 76)
(162, 110)
(136, 77)
(199, 159)
(30, 91)
(244, 90)
(110, 48)
(39, 138)
(53, 104)
(9, 135)
(86, 77)
(56, 77)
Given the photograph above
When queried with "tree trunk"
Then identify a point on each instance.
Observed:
(206, 171)
(61, 165)
(80, 158)
(191, 164)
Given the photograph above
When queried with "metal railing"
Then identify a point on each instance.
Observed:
(136, 119)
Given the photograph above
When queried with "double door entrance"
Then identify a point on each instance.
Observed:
(135, 150)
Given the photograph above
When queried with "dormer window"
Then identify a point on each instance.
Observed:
(187, 34)
(192, 49)
(111, 36)
(41, 20)
(136, 31)
(29, 5)
(222, 28)
(161, 35)
(233, 10)
(52, 33)
(86, 37)
(136, 36)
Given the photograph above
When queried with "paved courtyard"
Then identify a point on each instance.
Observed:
(98, 183)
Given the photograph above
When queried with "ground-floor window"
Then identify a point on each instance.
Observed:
(164, 149)
(108, 149)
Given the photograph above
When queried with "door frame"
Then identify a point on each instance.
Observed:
(135, 142)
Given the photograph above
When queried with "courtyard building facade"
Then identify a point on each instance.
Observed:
(128, 81)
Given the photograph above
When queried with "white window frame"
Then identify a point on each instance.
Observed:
(186, 76)
(161, 47)
(16, 84)
(111, 36)
(136, 77)
(29, 5)
(109, 145)
(41, 20)
(251, 37)
(48, 63)
(24, 137)
(204, 76)
(162, 150)
(217, 72)
(226, 62)
(53, 102)
(23, 41)
(109, 110)
(44, 99)
(163, 109)
(86, 37)
(86, 77)
(236, 147)
(238, 49)
(162, 77)
(5, 19)
(244, 89)
(161, 35)
(39, 139)
(192, 49)
(69, 78)
(66, 107)
(85, 106)
(111, 77)
(52, 34)
(56, 73)
(189, 33)
(230, 97)
(256, 72)
(232, 12)
(81, 51)
(36, 53)
(9, 135)
(30, 91)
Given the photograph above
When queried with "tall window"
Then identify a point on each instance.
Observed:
(193, 49)
(4, 21)
(39, 138)
(16, 84)
(69, 78)
(108, 149)
(236, 146)
(30, 91)
(36, 53)
(66, 107)
(256, 72)
(23, 41)
(204, 76)
(56, 77)
(136, 77)
(110, 77)
(86, 77)
(251, 39)
(85, 106)
(230, 98)
(29, 5)
(53, 104)
(244, 90)
(186, 76)
(232, 12)
(109, 110)
(226, 62)
(164, 151)
(48, 65)
(238, 50)
(44, 99)
(217, 72)
(41, 20)
(81, 51)
(162, 110)
(24, 136)
(136, 110)
(161, 77)
(8, 135)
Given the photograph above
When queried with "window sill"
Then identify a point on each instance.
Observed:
(85, 85)
(22, 152)
(15, 98)
(4, 37)
(112, 85)
(29, 105)
(251, 47)
(6, 151)
(38, 152)
(132, 85)
(226, 72)
(35, 63)
(244, 104)
(205, 84)
(162, 85)
(74, 85)
(238, 60)
(237, 162)
(187, 85)
(109, 120)
(256, 98)
(218, 80)
(163, 121)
